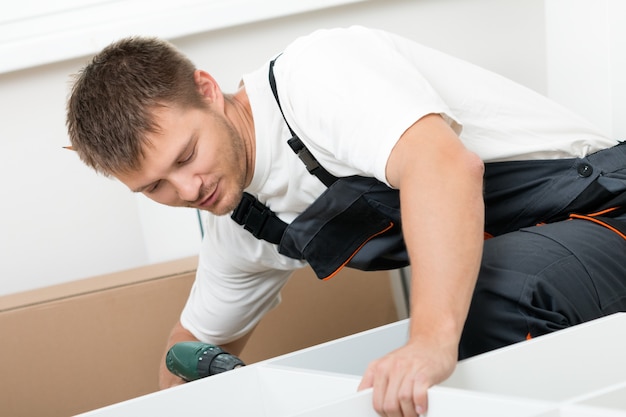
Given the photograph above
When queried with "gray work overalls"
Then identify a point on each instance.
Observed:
(554, 256)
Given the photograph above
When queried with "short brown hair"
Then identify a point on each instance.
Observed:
(110, 108)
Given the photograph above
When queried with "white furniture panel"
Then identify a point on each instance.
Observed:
(248, 391)
(578, 372)
(556, 367)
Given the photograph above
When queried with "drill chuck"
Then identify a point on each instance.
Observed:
(195, 360)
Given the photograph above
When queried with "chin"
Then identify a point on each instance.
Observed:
(227, 204)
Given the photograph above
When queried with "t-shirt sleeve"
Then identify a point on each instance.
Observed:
(350, 95)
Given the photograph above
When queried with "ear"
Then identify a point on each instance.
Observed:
(208, 87)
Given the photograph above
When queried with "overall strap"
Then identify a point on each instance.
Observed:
(296, 144)
(253, 215)
(259, 220)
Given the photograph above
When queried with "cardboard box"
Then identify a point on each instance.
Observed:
(78, 346)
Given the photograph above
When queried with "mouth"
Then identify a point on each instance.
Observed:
(208, 199)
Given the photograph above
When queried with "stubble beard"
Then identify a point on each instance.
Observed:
(237, 158)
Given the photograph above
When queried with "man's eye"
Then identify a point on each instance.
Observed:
(188, 158)
(153, 187)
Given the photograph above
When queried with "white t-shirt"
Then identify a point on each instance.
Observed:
(349, 94)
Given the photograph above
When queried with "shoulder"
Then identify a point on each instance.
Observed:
(327, 48)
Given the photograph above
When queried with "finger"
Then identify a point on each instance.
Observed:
(397, 396)
(380, 385)
(404, 397)
(367, 381)
(420, 396)
(408, 399)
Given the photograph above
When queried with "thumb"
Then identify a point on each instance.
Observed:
(367, 381)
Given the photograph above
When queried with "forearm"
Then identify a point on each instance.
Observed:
(443, 219)
(443, 228)
(442, 209)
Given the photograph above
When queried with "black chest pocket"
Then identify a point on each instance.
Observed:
(354, 223)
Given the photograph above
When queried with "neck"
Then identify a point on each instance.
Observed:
(238, 111)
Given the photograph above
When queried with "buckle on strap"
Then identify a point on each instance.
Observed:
(259, 220)
(311, 164)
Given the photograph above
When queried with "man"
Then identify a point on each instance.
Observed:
(368, 107)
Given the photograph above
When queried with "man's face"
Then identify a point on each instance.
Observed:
(196, 159)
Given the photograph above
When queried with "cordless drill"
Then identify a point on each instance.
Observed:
(195, 360)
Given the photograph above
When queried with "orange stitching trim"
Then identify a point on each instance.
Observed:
(355, 252)
(601, 223)
(600, 213)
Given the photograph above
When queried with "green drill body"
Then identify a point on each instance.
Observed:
(195, 360)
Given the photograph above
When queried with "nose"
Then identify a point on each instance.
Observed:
(187, 186)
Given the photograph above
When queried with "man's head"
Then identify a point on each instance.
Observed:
(111, 107)
(142, 113)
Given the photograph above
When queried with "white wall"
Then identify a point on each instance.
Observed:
(586, 44)
(61, 222)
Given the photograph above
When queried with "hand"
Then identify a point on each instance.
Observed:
(168, 379)
(401, 378)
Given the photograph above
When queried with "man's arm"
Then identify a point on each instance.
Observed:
(442, 208)
(180, 334)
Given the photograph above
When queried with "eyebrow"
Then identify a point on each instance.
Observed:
(190, 143)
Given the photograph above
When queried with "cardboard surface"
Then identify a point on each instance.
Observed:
(88, 348)
(79, 346)
(314, 311)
